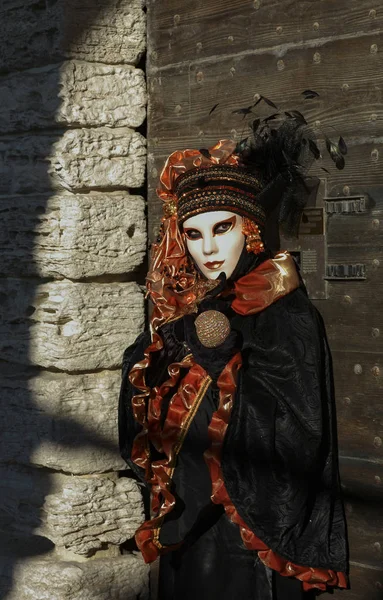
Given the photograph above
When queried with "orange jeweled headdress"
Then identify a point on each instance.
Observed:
(193, 181)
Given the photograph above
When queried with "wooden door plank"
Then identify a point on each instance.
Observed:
(358, 392)
(361, 478)
(365, 531)
(180, 31)
(366, 583)
(345, 73)
(352, 310)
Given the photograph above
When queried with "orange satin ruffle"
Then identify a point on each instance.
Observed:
(173, 283)
(183, 160)
(271, 280)
(169, 439)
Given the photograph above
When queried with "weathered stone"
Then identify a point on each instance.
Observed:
(76, 160)
(73, 93)
(68, 422)
(91, 511)
(68, 326)
(22, 493)
(70, 100)
(79, 514)
(34, 33)
(124, 578)
(74, 236)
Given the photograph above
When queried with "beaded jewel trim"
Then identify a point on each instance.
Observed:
(218, 188)
(219, 172)
(203, 201)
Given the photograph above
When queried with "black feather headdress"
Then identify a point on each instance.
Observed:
(265, 173)
(280, 150)
(280, 156)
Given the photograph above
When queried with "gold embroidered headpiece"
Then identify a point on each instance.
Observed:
(220, 187)
(195, 181)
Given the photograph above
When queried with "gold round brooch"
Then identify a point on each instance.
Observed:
(213, 327)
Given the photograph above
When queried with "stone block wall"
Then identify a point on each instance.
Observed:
(73, 241)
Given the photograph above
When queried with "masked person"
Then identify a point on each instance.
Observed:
(226, 404)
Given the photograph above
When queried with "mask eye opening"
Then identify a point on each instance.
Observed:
(192, 234)
(226, 224)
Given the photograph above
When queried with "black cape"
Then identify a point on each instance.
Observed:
(279, 456)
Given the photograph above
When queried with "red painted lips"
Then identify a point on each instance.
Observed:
(214, 265)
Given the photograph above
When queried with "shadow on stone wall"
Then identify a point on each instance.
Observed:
(46, 381)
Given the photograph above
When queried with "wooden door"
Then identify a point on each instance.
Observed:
(206, 52)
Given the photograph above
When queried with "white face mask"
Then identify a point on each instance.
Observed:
(215, 241)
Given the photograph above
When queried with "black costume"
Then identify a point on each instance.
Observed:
(280, 443)
(237, 442)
